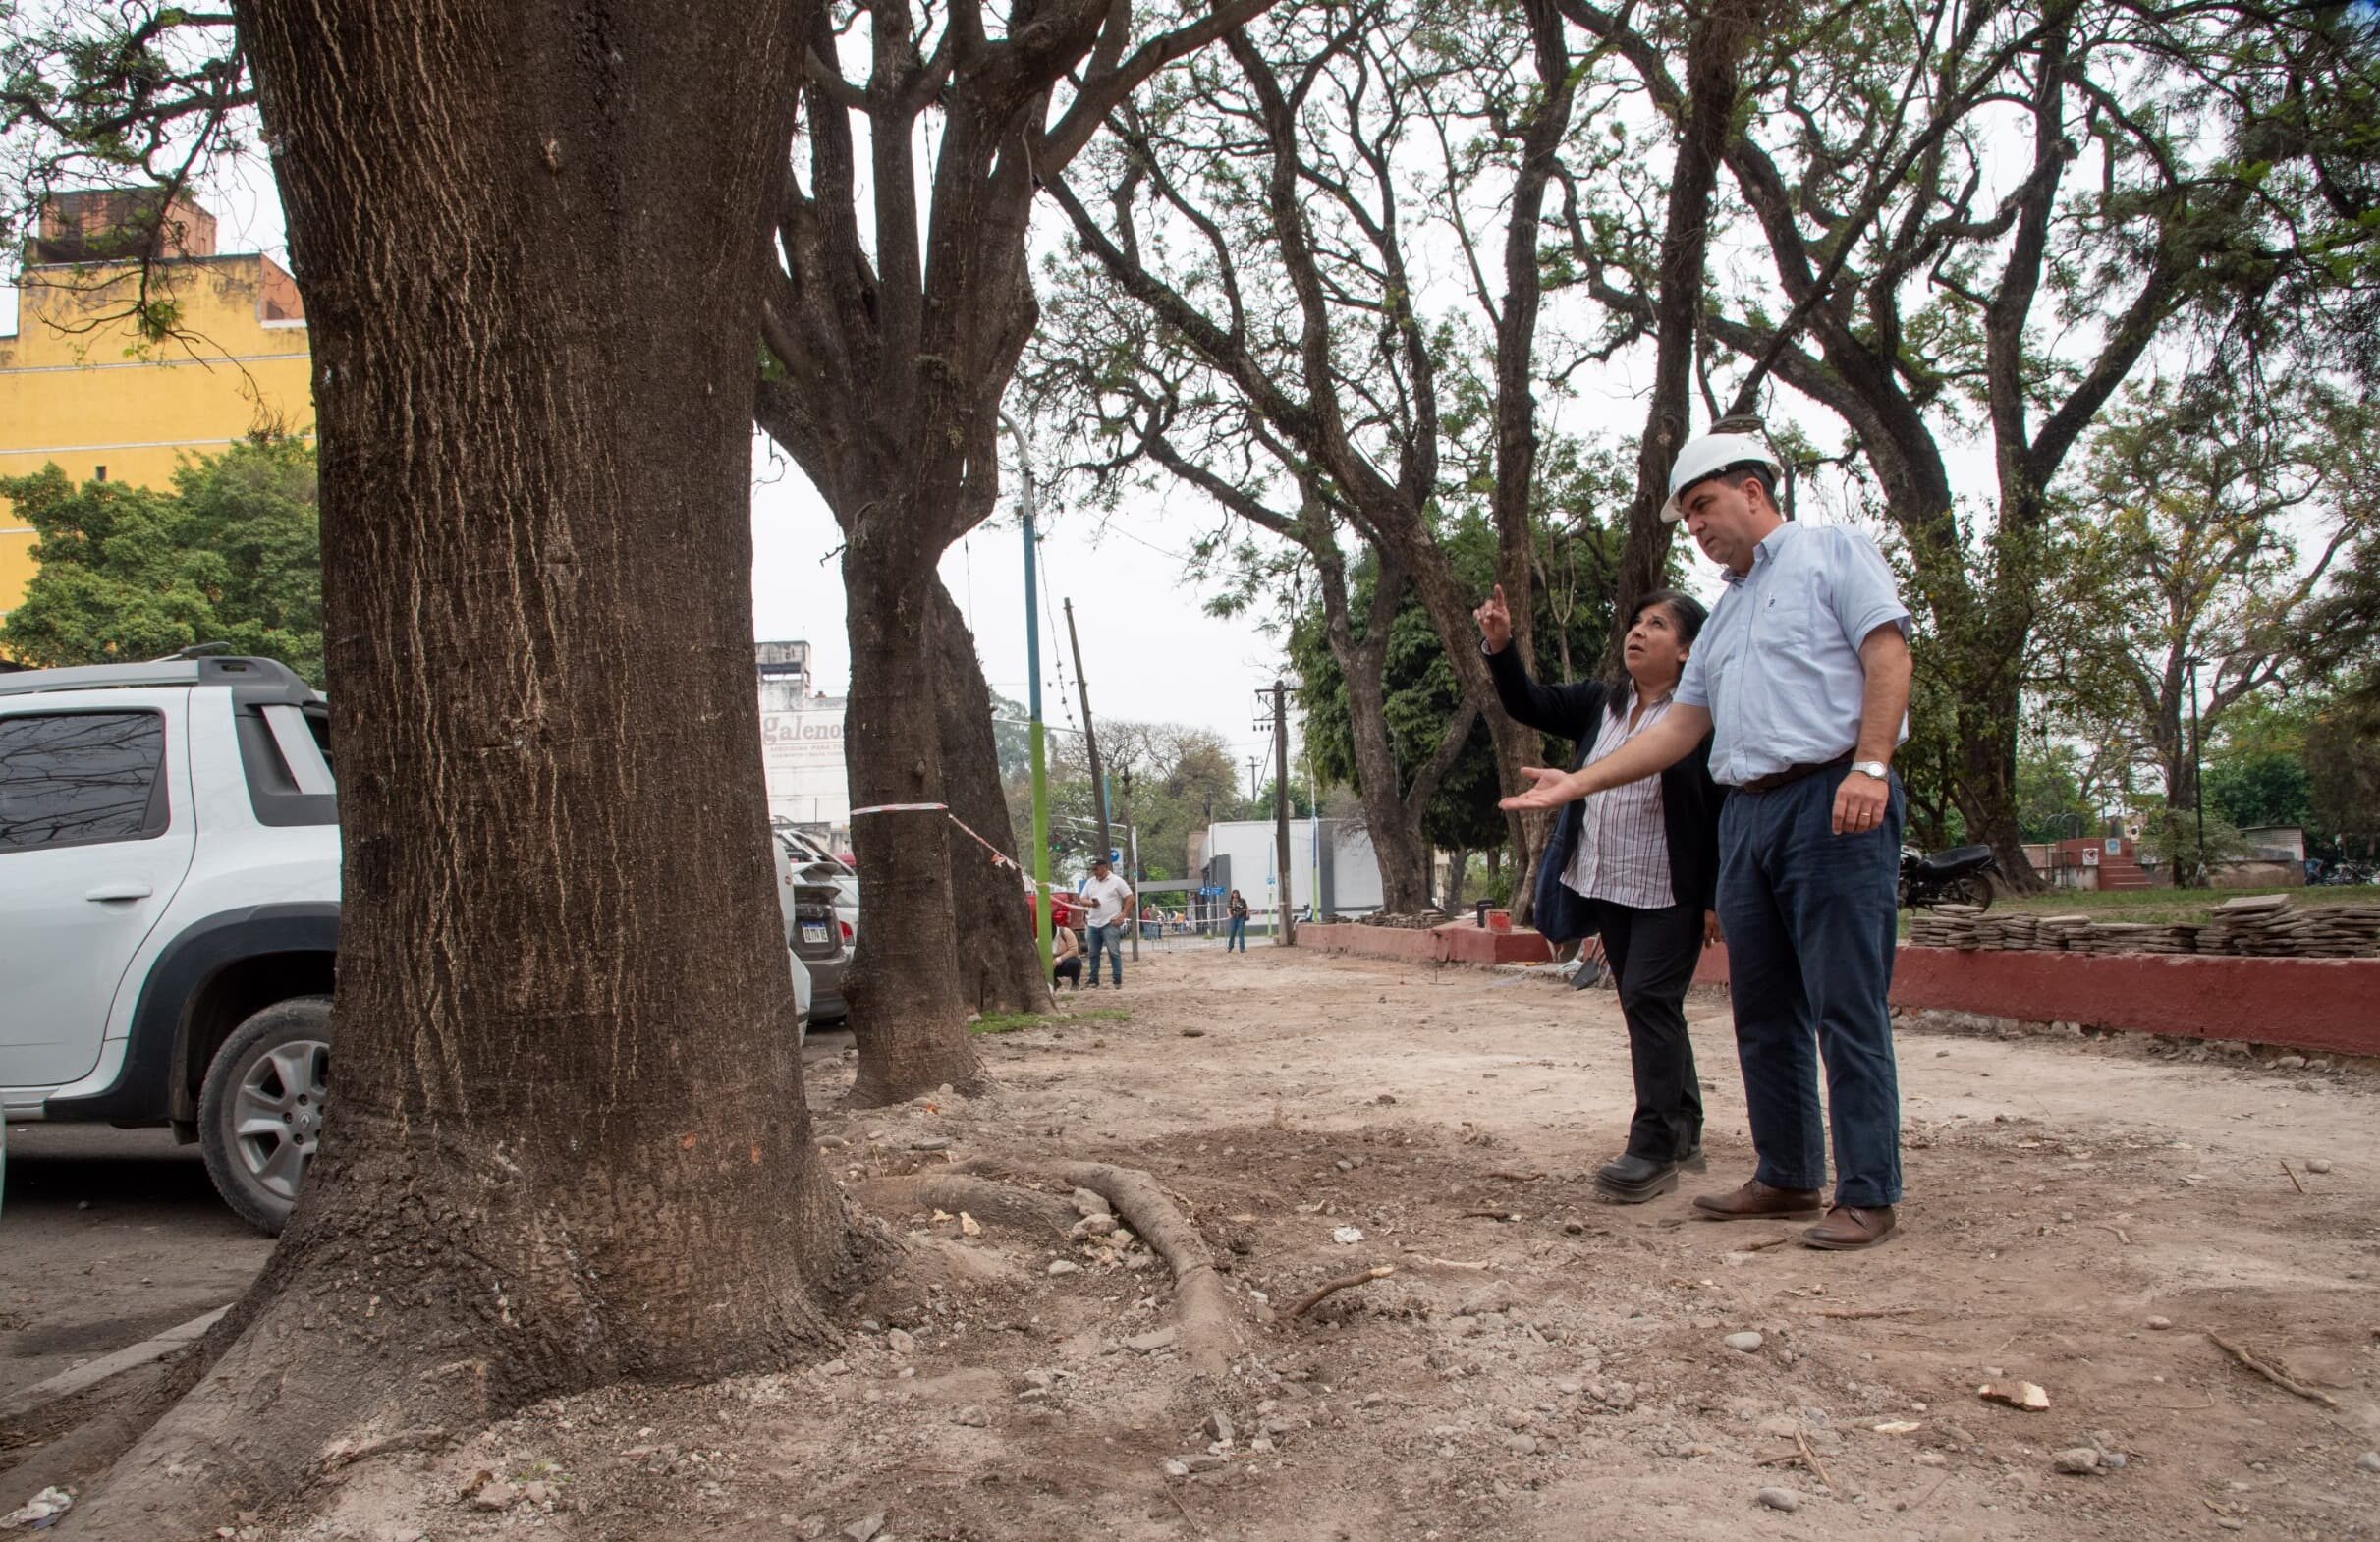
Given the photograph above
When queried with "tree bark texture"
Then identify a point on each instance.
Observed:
(908, 1010)
(999, 964)
(1705, 118)
(571, 1144)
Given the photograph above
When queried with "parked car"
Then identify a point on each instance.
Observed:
(169, 910)
(816, 935)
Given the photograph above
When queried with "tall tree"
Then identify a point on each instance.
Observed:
(530, 244)
(892, 327)
(1924, 272)
(2208, 529)
(1264, 211)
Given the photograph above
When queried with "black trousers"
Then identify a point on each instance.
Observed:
(1652, 955)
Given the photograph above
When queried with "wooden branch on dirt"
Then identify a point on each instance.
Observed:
(1810, 1459)
(1210, 1334)
(1491, 1215)
(1328, 1289)
(1762, 1245)
(987, 1199)
(1862, 1313)
(2272, 1374)
(1512, 1177)
(2291, 1177)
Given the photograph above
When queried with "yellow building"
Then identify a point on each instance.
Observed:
(81, 386)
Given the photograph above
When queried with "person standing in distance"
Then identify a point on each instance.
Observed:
(1802, 677)
(1634, 866)
(1110, 902)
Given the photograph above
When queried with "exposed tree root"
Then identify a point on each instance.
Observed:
(1210, 1330)
(999, 1204)
(1330, 1288)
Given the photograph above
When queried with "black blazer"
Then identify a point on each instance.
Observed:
(1689, 798)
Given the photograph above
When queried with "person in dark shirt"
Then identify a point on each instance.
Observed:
(1636, 865)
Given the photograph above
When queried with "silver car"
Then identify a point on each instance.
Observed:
(815, 933)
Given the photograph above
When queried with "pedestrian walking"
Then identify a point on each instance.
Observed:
(1237, 910)
(1802, 677)
(1636, 865)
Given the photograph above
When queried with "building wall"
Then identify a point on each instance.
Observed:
(80, 387)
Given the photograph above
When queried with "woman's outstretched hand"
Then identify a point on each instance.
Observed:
(1552, 790)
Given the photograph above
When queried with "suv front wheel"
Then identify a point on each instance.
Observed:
(261, 1106)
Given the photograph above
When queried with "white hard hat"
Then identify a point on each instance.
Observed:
(1705, 458)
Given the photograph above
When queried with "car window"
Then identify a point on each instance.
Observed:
(76, 777)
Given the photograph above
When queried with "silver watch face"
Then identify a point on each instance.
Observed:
(1874, 768)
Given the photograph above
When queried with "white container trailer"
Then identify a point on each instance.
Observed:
(1332, 868)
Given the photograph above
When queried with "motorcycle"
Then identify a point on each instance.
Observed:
(1961, 875)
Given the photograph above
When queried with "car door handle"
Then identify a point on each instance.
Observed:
(128, 889)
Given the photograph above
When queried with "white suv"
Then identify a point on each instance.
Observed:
(169, 910)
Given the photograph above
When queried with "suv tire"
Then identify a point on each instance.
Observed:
(262, 1105)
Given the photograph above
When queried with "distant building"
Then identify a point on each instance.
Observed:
(81, 387)
(801, 742)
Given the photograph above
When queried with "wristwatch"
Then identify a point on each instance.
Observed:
(1874, 768)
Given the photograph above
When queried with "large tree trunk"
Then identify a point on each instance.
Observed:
(999, 962)
(1712, 54)
(908, 1008)
(571, 1144)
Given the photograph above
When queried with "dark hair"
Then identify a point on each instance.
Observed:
(1689, 614)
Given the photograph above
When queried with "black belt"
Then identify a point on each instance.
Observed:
(1792, 774)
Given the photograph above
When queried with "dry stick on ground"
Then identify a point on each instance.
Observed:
(1857, 1313)
(1764, 1243)
(1513, 1177)
(1331, 1288)
(1810, 1459)
(1210, 1334)
(2292, 1178)
(1491, 1215)
(2271, 1374)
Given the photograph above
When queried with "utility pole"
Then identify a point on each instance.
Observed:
(1278, 722)
(1132, 857)
(1256, 765)
(1043, 919)
(1090, 740)
(2197, 777)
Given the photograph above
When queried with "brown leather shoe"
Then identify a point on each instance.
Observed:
(1756, 1201)
(1848, 1228)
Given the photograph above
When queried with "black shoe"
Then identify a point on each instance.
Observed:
(1632, 1180)
(1692, 1161)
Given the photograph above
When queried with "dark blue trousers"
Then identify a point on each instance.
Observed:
(1810, 917)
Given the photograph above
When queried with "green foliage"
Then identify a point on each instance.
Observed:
(2253, 789)
(2342, 765)
(2050, 801)
(1423, 696)
(231, 555)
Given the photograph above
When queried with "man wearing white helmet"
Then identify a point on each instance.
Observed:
(1802, 677)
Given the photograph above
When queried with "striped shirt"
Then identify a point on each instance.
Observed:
(1622, 853)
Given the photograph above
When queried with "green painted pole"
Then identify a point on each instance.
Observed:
(1042, 917)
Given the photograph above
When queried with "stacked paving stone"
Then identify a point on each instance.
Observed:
(2056, 933)
(2246, 926)
(2263, 925)
(1945, 926)
(2268, 926)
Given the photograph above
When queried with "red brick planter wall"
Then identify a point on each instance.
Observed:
(2326, 1005)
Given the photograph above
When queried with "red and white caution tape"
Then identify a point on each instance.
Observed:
(1000, 857)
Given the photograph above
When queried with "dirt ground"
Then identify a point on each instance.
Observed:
(2081, 1214)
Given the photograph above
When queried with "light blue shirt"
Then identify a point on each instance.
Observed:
(1778, 662)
